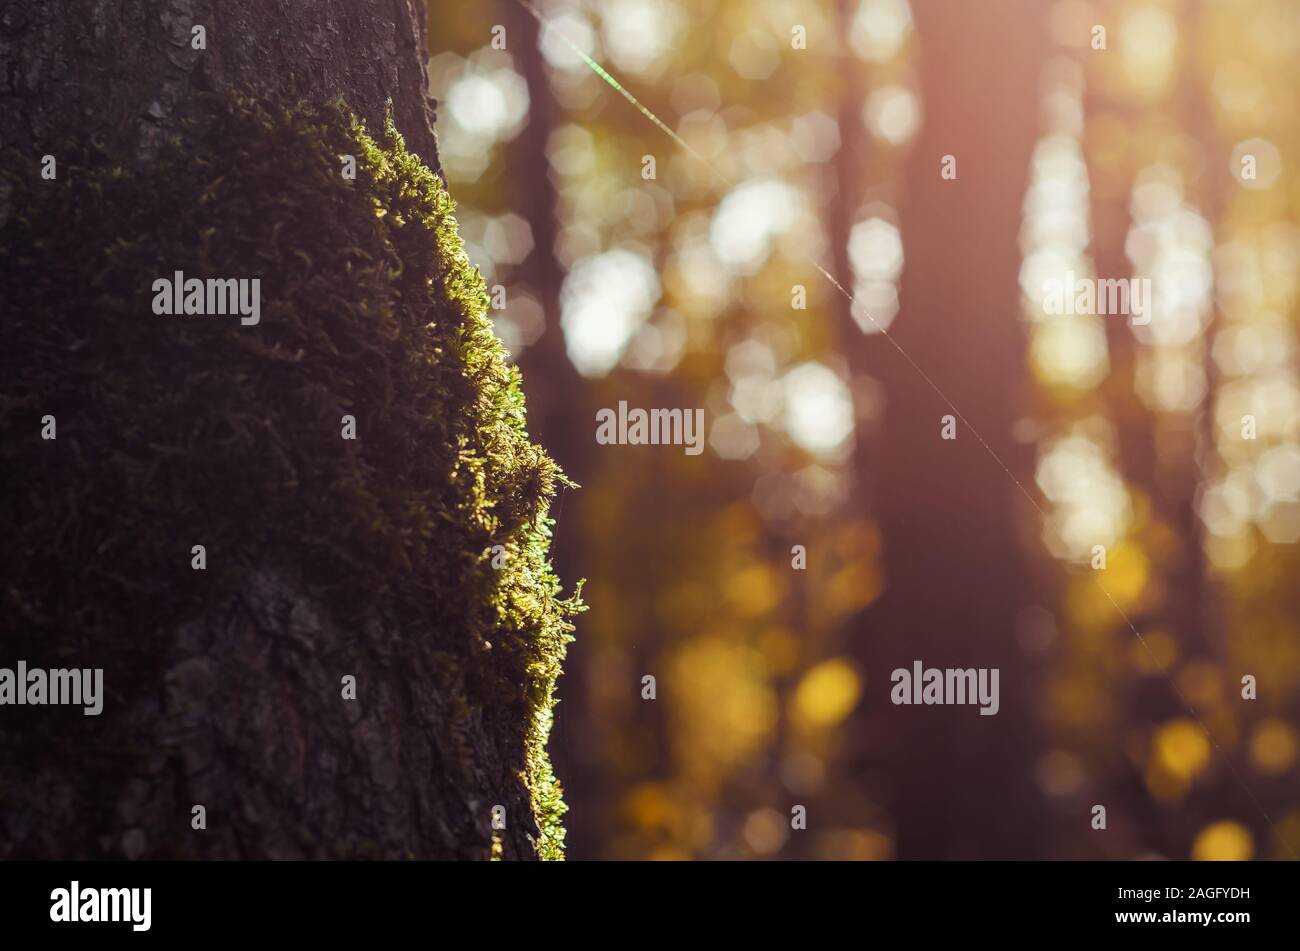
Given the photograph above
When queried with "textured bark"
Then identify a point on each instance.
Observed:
(246, 721)
(124, 68)
(242, 712)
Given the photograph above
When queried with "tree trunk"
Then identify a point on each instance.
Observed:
(368, 561)
(955, 582)
(125, 69)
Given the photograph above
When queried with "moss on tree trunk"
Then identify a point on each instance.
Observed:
(413, 558)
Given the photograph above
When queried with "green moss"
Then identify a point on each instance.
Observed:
(175, 431)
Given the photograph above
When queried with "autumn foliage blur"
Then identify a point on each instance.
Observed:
(702, 286)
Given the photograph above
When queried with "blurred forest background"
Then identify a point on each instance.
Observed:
(684, 291)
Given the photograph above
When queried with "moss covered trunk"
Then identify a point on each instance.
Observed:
(308, 552)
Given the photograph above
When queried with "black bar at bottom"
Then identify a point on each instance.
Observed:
(1218, 901)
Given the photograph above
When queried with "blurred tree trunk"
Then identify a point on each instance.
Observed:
(1160, 454)
(1163, 455)
(846, 173)
(244, 713)
(955, 582)
(533, 194)
(561, 413)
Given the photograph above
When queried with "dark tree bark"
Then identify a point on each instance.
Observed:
(242, 712)
(955, 581)
(125, 69)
